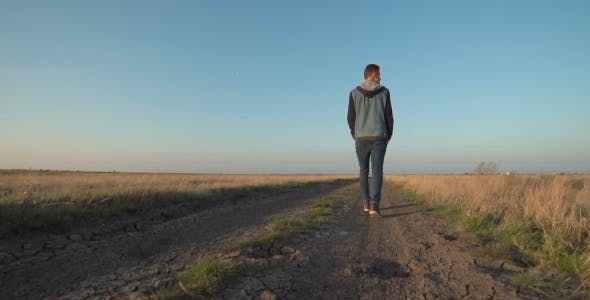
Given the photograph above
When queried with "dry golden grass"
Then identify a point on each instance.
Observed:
(559, 205)
(80, 186)
(37, 199)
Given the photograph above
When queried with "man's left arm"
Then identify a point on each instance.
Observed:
(389, 116)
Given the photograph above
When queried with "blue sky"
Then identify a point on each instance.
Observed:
(261, 86)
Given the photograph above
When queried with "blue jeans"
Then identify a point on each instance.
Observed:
(373, 151)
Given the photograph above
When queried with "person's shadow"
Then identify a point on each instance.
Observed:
(397, 206)
(394, 207)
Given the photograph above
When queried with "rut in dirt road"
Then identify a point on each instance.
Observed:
(149, 255)
(405, 254)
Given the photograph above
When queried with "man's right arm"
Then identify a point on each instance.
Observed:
(351, 114)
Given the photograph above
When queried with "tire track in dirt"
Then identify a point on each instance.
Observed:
(405, 254)
(147, 257)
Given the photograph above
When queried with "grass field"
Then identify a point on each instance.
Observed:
(545, 217)
(38, 200)
(540, 221)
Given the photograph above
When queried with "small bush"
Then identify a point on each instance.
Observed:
(207, 276)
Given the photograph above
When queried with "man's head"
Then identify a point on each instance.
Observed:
(372, 73)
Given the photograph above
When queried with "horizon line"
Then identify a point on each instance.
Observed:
(327, 173)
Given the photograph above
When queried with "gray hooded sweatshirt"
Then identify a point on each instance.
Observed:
(370, 115)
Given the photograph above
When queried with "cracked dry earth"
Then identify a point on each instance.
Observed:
(140, 254)
(406, 254)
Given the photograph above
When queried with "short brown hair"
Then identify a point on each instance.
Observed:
(370, 69)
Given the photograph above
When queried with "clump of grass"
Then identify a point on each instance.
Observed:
(207, 276)
(485, 227)
(412, 196)
(278, 230)
(535, 281)
(320, 210)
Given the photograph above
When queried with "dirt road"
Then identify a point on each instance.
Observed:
(140, 253)
(406, 254)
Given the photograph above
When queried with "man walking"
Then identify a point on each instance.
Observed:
(370, 119)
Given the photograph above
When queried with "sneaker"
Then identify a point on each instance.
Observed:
(374, 212)
(366, 205)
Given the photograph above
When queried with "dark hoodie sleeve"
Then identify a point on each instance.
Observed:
(351, 114)
(389, 117)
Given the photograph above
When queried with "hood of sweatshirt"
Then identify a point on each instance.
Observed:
(369, 88)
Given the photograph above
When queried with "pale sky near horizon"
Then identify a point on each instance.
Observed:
(262, 86)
